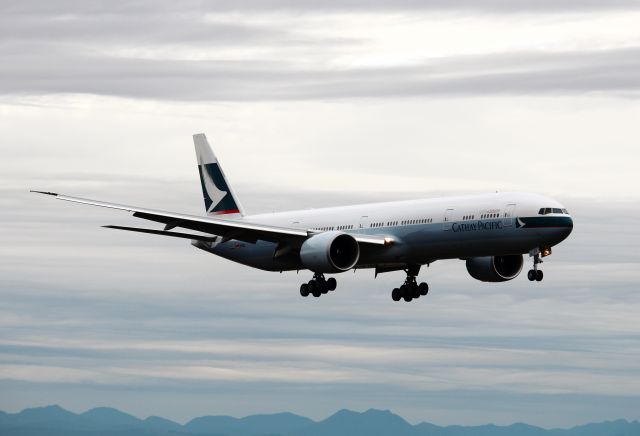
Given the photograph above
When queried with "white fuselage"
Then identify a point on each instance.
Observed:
(422, 230)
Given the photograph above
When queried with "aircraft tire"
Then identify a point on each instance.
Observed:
(332, 284)
(539, 275)
(314, 288)
(304, 290)
(424, 288)
(531, 275)
(415, 291)
(396, 295)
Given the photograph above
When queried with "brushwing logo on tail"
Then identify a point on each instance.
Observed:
(216, 192)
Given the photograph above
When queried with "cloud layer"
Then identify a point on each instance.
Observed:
(611, 71)
(217, 51)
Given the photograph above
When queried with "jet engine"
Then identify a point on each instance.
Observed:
(330, 252)
(495, 268)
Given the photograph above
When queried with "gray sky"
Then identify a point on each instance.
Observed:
(312, 104)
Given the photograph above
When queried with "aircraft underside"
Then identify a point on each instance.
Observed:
(494, 255)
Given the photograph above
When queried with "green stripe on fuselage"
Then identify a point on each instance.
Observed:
(546, 221)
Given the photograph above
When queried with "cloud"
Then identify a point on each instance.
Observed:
(167, 7)
(610, 71)
(230, 51)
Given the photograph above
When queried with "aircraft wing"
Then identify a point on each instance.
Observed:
(241, 230)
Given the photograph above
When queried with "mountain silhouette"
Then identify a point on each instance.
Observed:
(106, 421)
(160, 425)
(370, 423)
(109, 418)
(277, 424)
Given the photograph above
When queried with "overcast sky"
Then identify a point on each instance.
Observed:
(312, 104)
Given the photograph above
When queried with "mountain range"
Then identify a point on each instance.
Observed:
(105, 421)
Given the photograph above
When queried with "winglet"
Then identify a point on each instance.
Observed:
(55, 194)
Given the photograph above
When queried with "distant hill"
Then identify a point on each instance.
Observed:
(105, 421)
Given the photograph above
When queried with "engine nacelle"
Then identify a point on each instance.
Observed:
(495, 268)
(330, 252)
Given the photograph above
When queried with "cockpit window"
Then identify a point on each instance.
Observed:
(548, 210)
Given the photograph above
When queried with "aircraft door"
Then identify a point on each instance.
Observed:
(364, 219)
(447, 220)
(509, 214)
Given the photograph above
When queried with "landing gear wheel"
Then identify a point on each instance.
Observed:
(415, 291)
(318, 286)
(539, 275)
(314, 289)
(531, 275)
(331, 284)
(423, 288)
(304, 290)
(410, 290)
(396, 295)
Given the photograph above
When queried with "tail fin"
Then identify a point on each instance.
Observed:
(218, 197)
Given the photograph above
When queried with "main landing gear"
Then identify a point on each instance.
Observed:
(318, 286)
(410, 289)
(535, 275)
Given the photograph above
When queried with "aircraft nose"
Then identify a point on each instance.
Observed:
(565, 229)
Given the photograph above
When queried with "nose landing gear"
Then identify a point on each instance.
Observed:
(535, 274)
(318, 285)
(410, 289)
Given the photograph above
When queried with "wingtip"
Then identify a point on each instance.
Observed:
(55, 194)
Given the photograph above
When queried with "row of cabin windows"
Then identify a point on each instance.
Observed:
(543, 211)
(328, 228)
(548, 210)
(490, 215)
(404, 223)
(417, 221)
(382, 224)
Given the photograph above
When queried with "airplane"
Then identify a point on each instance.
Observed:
(490, 232)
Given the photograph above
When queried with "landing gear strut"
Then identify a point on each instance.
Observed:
(410, 289)
(535, 274)
(318, 285)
